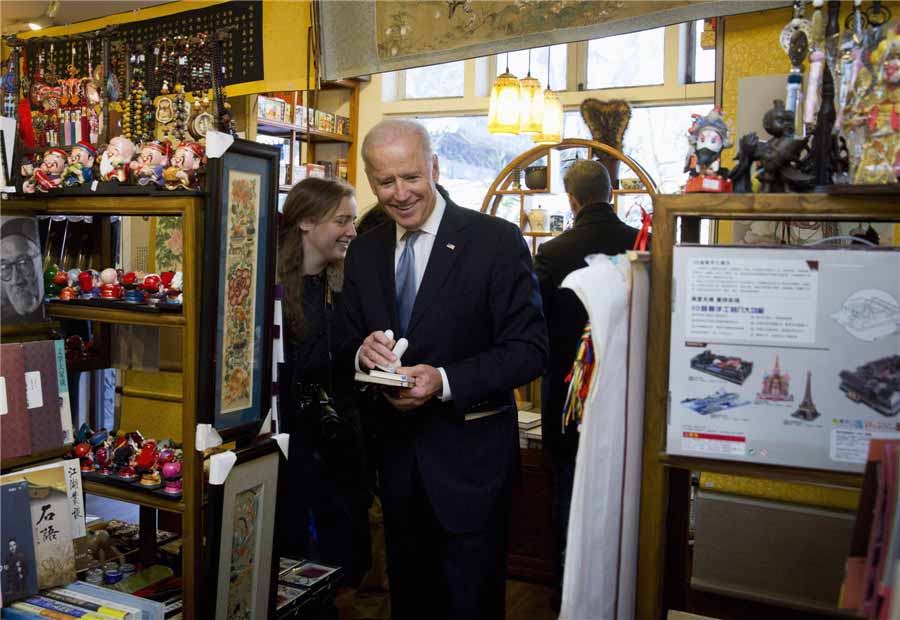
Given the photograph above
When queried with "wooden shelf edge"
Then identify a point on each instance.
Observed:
(136, 496)
(771, 472)
(108, 315)
(34, 459)
(781, 206)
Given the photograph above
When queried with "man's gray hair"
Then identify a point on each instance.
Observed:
(391, 129)
(587, 181)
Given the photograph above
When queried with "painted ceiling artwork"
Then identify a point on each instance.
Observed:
(413, 28)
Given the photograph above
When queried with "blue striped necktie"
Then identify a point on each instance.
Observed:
(405, 280)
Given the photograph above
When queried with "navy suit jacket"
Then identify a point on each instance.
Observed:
(478, 315)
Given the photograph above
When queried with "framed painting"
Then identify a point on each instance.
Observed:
(241, 519)
(238, 280)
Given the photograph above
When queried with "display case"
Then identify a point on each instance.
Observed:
(232, 219)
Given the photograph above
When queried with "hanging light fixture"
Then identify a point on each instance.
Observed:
(551, 131)
(531, 103)
(503, 112)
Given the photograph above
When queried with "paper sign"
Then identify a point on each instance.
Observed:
(33, 394)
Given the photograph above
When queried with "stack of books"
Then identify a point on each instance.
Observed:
(528, 422)
(84, 600)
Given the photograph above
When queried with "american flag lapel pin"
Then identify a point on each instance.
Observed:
(451, 246)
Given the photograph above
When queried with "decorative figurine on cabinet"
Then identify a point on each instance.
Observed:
(148, 168)
(108, 284)
(184, 171)
(131, 282)
(780, 160)
(81, 164)
(49, 175)
(115, 159)
(707, 136)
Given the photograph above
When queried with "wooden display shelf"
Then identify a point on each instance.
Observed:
(134, 496)
(34, 459)
(522, 192)
(781, 206)
(339, 84)
(159, 203)
(283, 129)
(528, 233)
(62, 310)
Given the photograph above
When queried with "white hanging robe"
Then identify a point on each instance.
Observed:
(601, 553)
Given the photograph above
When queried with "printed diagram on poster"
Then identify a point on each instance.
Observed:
(784, 356)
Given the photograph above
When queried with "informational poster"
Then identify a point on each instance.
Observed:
(784, 356)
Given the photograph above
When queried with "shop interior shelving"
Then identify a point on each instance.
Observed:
(662, 560)
(302, 134)
(190, 207)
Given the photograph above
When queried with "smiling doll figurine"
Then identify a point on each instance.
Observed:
(81, 164)
(184, 171)
(49, 175)
(115, 159)
(151, 162)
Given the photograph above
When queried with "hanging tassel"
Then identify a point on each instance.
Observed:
(579, 380)
(26, 129)
(640, 242)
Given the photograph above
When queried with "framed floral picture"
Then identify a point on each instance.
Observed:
(238, 281)
(241, 517)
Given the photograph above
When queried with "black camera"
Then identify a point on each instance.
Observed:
(318, 407)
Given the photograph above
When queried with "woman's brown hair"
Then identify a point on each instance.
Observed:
(314, 199)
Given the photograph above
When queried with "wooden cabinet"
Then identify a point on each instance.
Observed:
(531, 550)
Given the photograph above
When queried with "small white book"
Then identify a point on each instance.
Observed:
(529, 419)
(385, 378)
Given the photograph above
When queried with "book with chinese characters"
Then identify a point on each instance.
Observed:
(15, 430)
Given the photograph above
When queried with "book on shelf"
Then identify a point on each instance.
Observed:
(42, 395)
(62, 381)
(149, 610)
(385, 378)
(55, 509)
(529, 419)
(92, 603)
(15, 440)
(17, 555)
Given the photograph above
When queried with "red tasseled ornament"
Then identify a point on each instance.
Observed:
(26, 129)
(85, 128)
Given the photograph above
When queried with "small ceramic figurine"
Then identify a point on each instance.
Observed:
(780, 160)
(108, 286)
(131, 284)
(81, 164)
(172, 282)
(49, 175)
(184, 171)
(707, 136)
(115, 159)
(51, 289)
(153, 160)
(171, 473)
(153, 290)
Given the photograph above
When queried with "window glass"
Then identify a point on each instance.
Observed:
(470, 158)
(704, 60)
(518, 64)
(656, 139)
(634, 59)
(446, 80)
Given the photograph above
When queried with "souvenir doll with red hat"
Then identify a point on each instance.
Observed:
(81, 164)
(185, 166)
(149, 165)
(49, 175)
(115, 159)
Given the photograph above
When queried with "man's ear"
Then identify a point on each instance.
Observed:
(573, 204)
(435, 168)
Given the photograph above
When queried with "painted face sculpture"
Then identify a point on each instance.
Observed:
(81, 164)
(186, 162)
(149, 166)
(115, 159)
(49, 175)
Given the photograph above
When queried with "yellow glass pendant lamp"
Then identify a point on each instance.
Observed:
(531, 103)
(552, 127)
(503, 112)
(551, 131)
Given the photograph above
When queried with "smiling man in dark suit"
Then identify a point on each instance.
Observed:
(597, 230)
(459, 286)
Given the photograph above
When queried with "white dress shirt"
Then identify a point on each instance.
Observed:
(423, 247)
